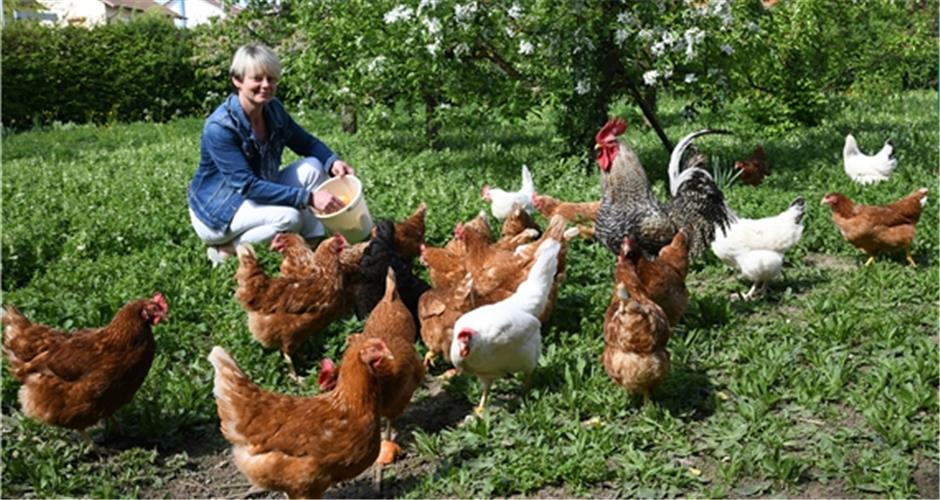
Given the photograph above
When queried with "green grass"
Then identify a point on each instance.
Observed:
(828, 382)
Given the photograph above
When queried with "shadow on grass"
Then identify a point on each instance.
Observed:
(686, 392)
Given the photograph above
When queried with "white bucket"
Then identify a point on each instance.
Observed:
(353, 220)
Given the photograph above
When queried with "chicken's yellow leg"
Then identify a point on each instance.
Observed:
(870, 260)
(910, 259)
(293, 372)
(486, 390)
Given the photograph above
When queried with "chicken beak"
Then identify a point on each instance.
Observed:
(597, 145)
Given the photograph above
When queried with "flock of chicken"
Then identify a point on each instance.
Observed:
(483, 310)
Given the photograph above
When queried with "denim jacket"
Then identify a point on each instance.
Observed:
(234, 165)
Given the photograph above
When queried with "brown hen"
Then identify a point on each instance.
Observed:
(662, 279)
(390, 321)
(285, 312)
(74, 380)
(754, 168)
(302, 445)
(636, 331)
(876, 229)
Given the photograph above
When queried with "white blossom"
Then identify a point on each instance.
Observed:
(515, 11)
(464, 12)
(692, 37)
(461, 49)
(753, 27)
(510, 32)
(376, 64)
(433, 25)
(620, 36)
(658, 48)
(399, 13)
(690, 78)
(722, 9)
(433, 48)
(584, 44)
(625, 18)
(727, 49)
(526, 47)
(645, 34)
(669, 38)
(650, 77)
(427, 4)
(582, 87)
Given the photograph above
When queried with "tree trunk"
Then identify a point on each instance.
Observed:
(431, 124)
(349, 119)
(649, 112)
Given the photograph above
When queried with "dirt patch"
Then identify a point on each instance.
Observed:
(834, 262)
(927, 478)
(850, 418)
(552, 491)
(837, 488)
(209, 471)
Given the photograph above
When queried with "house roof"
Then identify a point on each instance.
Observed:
(141, 5)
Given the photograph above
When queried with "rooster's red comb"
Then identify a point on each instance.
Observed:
(613, 128)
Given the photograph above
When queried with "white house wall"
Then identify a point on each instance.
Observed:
(83, 12)
(197, 12)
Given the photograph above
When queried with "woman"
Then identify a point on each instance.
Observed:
(239, 193)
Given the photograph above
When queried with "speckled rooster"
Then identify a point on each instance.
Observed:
(629, 207)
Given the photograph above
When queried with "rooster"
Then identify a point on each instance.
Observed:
(501, 201)
(629, 207)
(865, 169)
(504, 338)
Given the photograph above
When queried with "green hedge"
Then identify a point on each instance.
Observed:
(139, 70)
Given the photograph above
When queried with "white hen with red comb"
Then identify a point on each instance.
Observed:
(503, 338)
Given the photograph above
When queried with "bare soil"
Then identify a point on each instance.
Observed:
(834, 262)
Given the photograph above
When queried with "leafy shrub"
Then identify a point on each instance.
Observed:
(138, 70)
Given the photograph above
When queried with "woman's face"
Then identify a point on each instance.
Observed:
(256, 87)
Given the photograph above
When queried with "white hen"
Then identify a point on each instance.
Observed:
(865, 169)
(756, 246)
(502, 338)
(501, 202)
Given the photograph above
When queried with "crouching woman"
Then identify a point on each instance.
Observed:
(240, 193)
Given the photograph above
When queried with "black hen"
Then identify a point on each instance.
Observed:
(629, 207)
(373, 269)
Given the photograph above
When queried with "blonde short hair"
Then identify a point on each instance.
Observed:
(255, 57)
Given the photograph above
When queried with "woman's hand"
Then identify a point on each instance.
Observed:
(341, 168)
(325, 202)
